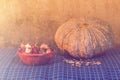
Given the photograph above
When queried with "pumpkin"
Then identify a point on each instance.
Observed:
(84, 37)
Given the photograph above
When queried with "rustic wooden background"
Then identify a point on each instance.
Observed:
(37, 20)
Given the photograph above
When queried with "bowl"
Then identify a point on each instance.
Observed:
(36, 59)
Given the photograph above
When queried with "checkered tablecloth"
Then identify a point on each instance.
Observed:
(12, 68)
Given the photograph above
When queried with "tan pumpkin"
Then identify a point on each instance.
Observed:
(85, 37)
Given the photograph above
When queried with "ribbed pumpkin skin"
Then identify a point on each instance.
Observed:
(85, 37)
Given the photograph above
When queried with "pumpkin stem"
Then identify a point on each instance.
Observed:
(85, 24)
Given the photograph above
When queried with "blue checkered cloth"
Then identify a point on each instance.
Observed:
(12, 68)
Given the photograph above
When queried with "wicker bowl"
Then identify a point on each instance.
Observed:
(36, 59)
